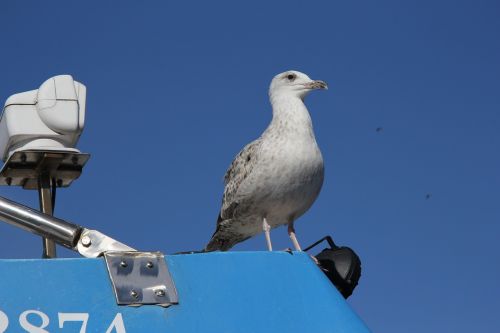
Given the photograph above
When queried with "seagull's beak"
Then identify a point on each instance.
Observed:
(317, 84)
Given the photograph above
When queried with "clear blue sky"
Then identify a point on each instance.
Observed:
(175, 90)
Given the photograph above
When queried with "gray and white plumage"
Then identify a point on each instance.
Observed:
(276, 177)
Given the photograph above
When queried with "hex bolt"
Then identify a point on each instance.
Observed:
(123, 263)
(160, 292)
(86, 241)
(149, 264)
(134, 294)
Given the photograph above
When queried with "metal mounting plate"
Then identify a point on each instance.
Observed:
(140, 278)
(23, 168)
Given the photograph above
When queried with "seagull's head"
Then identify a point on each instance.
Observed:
(294, 84)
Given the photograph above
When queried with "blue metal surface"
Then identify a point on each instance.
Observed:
(218, 292)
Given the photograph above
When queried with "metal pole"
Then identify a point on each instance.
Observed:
(32, 220)
(91, 245)
(64, 233)
(45, 198)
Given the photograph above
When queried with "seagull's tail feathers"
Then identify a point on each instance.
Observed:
(218, 242)
(223, 238)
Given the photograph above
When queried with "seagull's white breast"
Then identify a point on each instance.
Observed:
(290, 167)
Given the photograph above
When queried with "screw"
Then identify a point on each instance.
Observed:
(123, 263)
(160, 292)
(134, 294)
(86, 241)
(149, 264)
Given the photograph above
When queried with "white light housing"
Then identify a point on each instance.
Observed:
(50, 118)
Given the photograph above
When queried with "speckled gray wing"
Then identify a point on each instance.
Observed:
(241, 167)
(225, 236)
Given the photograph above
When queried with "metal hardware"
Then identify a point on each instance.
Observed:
(137, 277)
(23, 168)
(46, 198)
(99, 243)
(327, 238)
(140, 278)
(44, 170)
(60, 231)
(86, 241)
(89, 243)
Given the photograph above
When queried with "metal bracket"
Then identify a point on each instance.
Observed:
(140, 278)
(23, 168)
(93, 244)
(44, 170)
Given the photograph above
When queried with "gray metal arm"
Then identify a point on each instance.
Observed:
(89, 243)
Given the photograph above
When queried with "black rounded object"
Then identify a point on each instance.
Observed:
(343, 268)
(341, 265)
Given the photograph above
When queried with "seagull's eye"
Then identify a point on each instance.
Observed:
(291, 77)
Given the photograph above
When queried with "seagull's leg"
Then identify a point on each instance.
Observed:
(267, 230)
(291, 233)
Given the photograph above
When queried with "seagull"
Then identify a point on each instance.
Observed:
(275, 179)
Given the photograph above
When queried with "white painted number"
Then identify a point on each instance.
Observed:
(117, 324)
(23, 320)
(83, 317)
(4, 321)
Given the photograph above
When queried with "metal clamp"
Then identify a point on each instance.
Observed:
(140, 278)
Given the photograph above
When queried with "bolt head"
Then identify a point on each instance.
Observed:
(123, 263)
(160, 292)
(134, 294)
(86, 241)
(149, 264)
